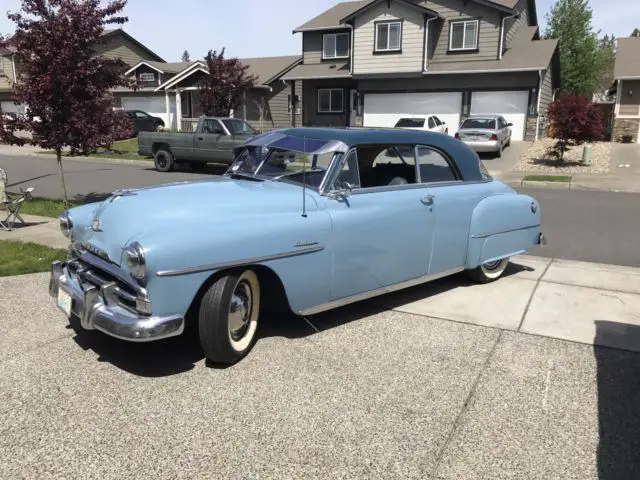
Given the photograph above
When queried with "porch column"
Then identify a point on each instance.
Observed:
(244, 105)
(167, 108)
(178, 110)
(293, 106)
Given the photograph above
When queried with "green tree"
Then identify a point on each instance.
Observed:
(185, 56)
(636, 32)
(607, 59)
(581, 64)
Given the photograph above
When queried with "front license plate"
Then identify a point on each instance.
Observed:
(64, 301)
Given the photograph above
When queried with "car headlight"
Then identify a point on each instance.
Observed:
(66, 224)
(136, 264)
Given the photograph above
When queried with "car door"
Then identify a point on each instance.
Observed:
(207, 144)
(439, 125)
(431, 124)
(142, 121)
(381, 233)
(450, 210)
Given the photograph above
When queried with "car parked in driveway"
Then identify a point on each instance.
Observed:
(304, 220)
(213, 141)
(143, 122)
(429, 123)
(485, 133)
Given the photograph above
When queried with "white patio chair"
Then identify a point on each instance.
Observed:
(11, 205)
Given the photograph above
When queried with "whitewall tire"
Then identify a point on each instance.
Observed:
(489, 271)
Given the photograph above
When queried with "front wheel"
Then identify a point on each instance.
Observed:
(228, 318)
(489, 271)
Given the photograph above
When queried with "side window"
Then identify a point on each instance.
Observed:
(438, 122)
(433, 166)
(386, 165)
(141, 115)
(211, 126)
(349, 172)
(432, 122)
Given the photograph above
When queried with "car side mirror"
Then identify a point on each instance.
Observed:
(444, 123)
(343, 192)
(509, 124)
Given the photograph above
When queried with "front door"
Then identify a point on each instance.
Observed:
(353, 107)
(382, 231)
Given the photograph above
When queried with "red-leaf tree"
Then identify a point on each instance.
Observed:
(64, 85)
(222, 88)
(574, 120)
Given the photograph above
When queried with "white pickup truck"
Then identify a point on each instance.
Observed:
(429, 123)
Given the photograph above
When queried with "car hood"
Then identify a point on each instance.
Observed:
(132, 213)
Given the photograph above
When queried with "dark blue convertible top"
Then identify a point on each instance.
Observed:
(466, 159)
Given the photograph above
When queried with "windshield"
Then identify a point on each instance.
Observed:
(280, 157)
(237, 126)
(410, 123)
(486, 123)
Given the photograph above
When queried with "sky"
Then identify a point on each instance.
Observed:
(257, 28)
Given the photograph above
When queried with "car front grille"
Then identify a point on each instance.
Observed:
(87, 274)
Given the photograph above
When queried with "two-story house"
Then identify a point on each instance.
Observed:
(370, 62)
(627, 90)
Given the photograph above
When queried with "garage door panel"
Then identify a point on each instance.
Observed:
(512, 105)
(385, 109)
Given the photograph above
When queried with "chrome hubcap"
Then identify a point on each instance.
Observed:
(240, 310)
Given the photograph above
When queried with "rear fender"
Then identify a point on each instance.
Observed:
(502, 226)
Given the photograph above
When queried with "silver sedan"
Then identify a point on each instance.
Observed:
(485, 133)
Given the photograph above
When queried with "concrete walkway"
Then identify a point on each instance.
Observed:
(42, 230)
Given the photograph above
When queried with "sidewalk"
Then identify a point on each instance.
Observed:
(42, 230)
(31, 151)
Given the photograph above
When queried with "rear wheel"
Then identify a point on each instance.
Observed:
(489, 271)
(228, 318)
(163, 160)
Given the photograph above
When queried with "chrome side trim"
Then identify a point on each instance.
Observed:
(341, 302)
(238, 263)
(485, 235)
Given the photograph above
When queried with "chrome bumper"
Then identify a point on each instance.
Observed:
(542, 240)
(90, 306)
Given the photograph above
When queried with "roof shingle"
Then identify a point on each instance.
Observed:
(627, 63)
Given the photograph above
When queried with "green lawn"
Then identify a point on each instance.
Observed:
(45, 207)
(125, 149)
(18, 258)
(546, 178)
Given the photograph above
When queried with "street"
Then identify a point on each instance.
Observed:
(580, 225)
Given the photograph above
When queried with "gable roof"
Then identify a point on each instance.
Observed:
(119, 31)
(373, 3)
(266, 69)
(161, 67)
(627, 64)
(336, 15)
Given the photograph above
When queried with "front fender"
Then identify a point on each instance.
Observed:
(187, 255)
(502, 226)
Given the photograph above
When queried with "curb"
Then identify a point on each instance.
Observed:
(116, 161)
(543, 184)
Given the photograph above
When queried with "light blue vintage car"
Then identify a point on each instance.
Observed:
(305, 219)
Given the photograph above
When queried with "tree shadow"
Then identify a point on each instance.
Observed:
(92, 197)
(210, 168)
(618, 399)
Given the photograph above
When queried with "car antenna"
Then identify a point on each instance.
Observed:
(304, 179)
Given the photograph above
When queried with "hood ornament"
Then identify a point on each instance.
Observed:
(125, 192)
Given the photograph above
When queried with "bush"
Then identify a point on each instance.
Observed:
(575, 120)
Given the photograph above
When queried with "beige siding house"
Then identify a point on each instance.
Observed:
(626, 125)
(371, 62)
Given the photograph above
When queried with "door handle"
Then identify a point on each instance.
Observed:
(428, 199)
(200, 138)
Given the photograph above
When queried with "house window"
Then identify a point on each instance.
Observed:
(463, 35)
(335, 45)
(388, 36)
(147, 77)
(330, 100)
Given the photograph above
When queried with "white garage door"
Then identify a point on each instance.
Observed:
(512, 105)
(10, 107)
(153, 106)
(385, 109)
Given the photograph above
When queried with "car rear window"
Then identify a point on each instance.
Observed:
(410, 123)
(489, 123)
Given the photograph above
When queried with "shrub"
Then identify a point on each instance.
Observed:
(575, 120)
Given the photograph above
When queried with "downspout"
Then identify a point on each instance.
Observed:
(425, 60)
(13, 65)
(538, 104)
(350, 27)
(515, 15)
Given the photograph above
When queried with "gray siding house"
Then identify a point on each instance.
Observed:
(170, 91)
(370, 62)
(627, 90)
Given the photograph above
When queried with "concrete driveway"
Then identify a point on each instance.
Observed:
(444, 381)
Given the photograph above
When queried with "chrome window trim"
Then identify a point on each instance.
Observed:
(447, 158)
(238, 263)
(378, 291)
(486, 235)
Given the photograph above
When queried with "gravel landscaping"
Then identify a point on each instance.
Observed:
(537, 159)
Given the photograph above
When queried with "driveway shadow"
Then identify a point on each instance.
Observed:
(618, 401)
(179, 354)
